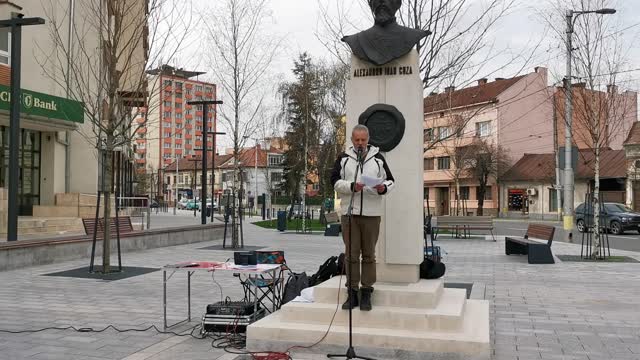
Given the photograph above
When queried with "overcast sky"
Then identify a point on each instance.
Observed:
(521, 34)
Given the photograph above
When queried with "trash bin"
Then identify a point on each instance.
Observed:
(282, 220)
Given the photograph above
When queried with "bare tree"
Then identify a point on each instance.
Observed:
(602, 116)
(486, 161)
(103, 65)
(242, 52)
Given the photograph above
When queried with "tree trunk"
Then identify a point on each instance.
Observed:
(596, 208)
(482, 190)
(106, 190)
(457, 197)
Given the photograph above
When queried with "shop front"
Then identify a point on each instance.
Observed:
(41, 160)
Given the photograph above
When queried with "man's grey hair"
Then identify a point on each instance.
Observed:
(360, 127)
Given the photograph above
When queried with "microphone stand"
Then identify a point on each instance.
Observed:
(351, 353)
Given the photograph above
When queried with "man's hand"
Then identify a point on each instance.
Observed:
(358, 187)
(380, 188)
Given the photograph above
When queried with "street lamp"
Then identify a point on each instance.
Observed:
(568, 166)
(205, 129)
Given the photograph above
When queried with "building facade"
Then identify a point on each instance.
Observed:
(57, 141)
(528, 187)
(170, 128)
(515, 114)
(260, 171)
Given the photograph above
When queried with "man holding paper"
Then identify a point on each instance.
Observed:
(361, 172)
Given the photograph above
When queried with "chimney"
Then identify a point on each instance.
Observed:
(449, 89)
(433, 93)
(581, 85)
(482, 81)
(499, 79)
(612, 89)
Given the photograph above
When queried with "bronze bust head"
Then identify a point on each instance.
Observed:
(386, 40)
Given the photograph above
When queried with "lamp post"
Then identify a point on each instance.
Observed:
(568, 166)
(213, 168)
(16, 23)
(205, 129)
(175, 200)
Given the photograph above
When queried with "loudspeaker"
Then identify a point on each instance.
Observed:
(245, 258)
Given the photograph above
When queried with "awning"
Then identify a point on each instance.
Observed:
(44, 107)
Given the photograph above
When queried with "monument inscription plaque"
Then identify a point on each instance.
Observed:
(386, 126)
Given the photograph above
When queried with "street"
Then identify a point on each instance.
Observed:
(628, 241)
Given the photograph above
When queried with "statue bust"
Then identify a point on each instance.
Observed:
(386, 40)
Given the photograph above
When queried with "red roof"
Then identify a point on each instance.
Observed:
(634, 135)
(540, 167)
(468, 96)
(247, 157)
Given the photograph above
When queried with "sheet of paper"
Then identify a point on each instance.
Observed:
(370, 181)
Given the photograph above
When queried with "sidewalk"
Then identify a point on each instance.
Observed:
(569, 310)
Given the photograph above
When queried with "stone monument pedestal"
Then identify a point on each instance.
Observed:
(422, 321)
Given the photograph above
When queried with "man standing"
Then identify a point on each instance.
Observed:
(360, 232)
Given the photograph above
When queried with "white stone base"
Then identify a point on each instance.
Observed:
(421, 320)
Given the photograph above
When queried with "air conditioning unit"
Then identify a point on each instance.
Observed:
(532, 192)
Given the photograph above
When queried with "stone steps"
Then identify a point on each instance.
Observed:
(471, 340)
(50, 226)
(420, 295)
(447, 315)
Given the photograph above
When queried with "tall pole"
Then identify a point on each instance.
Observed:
(205, 130)
(213, 168)
(568, 159)
(15, 23)
(175, 200)
(255, 196)
(568, 169)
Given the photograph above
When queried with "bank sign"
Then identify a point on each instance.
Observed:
(44, 105)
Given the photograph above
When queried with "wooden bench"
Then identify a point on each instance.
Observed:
(123, 224)
(537, 252)
(461, 226)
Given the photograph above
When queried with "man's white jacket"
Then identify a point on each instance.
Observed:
(366, 202)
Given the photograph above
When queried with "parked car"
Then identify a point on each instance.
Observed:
(182, 204)
(191, 205)
(154, 204)
(615, 217)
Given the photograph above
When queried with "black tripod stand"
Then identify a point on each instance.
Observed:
(351, 353)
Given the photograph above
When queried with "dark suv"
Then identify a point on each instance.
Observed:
(616, 217)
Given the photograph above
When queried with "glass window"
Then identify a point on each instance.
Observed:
(167, 83)
(167, 103)
(444, 163)
(276, 177)
(275, 160)
(443, 133)
(428, 135)
(167, 114)
(487, 193)
(428, 164)
(5, 46)
(483, 129)
(464, 193)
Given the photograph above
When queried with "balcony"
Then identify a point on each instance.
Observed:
(141, 161)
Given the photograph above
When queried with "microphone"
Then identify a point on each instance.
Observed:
(360, 155)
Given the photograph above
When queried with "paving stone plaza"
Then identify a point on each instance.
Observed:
(569, 310)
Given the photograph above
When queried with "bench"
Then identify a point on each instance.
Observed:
(123, 224)
(461, 226)
(538, 253)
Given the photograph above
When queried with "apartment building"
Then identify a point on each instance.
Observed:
(170, 128)
(515, 114)
(57, 141)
